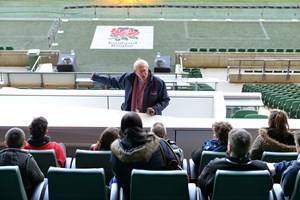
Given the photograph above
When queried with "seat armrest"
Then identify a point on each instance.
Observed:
(193, 194)
(201, 195)
(114, 192)
(39, 191)
(193, 171)
(68, 162)
(277, 192)
(73, 164)
(185, 165)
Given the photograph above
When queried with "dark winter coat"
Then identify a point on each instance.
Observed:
(155, 93)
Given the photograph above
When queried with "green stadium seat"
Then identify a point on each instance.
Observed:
(193, 49)
(231, 50)
(279, 50)
(289, 50)
(270, 50)
(297, 50)
(212, 49)
(222, 50)
(203, 49)
(256, 116)
(9, 48)
(260, 50)
(250, 50)
(2, 48)
(241, 50)
(243, 113)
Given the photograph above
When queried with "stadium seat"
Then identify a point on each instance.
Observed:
(94, 159)
(222, 50)
(270, 50)
(203, 49)
(296, 191)
(243, 113)
(9, 48)
(44, 159)
(241, 50)
(2, 48)
(76, 184)
(279, 50)
(260, 50)
(206, 157)
(161, 185)
(193, 49)
(250, 50)
(212, 49)
(269, 156)
(256, 116)
(289, 50)
(11, 184)
(231, 50)
(246, 185)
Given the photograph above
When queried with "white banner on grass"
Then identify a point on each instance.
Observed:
(123, 37)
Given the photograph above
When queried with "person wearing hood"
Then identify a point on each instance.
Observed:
(13, 155)
(144, 92)
(137, 149)
(276, 137)
(237, 158)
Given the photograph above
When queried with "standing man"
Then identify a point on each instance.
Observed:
(144, 92)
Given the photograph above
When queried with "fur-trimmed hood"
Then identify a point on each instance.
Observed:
(137, 154)
(274, 144)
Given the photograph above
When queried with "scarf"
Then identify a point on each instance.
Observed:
(138, 95)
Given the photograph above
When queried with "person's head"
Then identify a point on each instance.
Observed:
(38, 127)
(278, 120)
(159, 129)
(297, 140)
(221, 130)
(239, 141)
(140, 68)
(107, 137)
(15, 138)
(131, 120)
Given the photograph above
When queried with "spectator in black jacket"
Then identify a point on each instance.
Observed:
(239, 142)
(14, 155)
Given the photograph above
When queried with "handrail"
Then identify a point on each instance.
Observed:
(263, 66)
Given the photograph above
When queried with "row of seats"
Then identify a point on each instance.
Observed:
(6, 48)
(248, 114)
(278, 96)
(194, 49)
(89, 183)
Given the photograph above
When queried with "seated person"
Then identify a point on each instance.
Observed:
(218, 143)
(239, 141)
(288, 170)
(160, 130)
(277, 137)
(39, 140)
(137, 149)
(14, 155)
(107, 137)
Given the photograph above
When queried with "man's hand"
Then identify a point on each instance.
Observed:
(150, 111)
(91, 77)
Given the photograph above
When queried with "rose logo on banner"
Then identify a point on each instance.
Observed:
(123, 37)
(124, 33)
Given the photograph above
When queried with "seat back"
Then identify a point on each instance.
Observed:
(76, 184)
(11, 184)
(207, 156)
(44, 159)
(159, 185)
(94, 159)
(296, 191)
(237, 185)
(269, 156)
(256, 116)
(243, 113)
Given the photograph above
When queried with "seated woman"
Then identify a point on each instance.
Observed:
(276, 137)
(137, 149)
(108, 136)
(218, 143)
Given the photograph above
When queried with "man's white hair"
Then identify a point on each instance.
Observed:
(139, 62)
